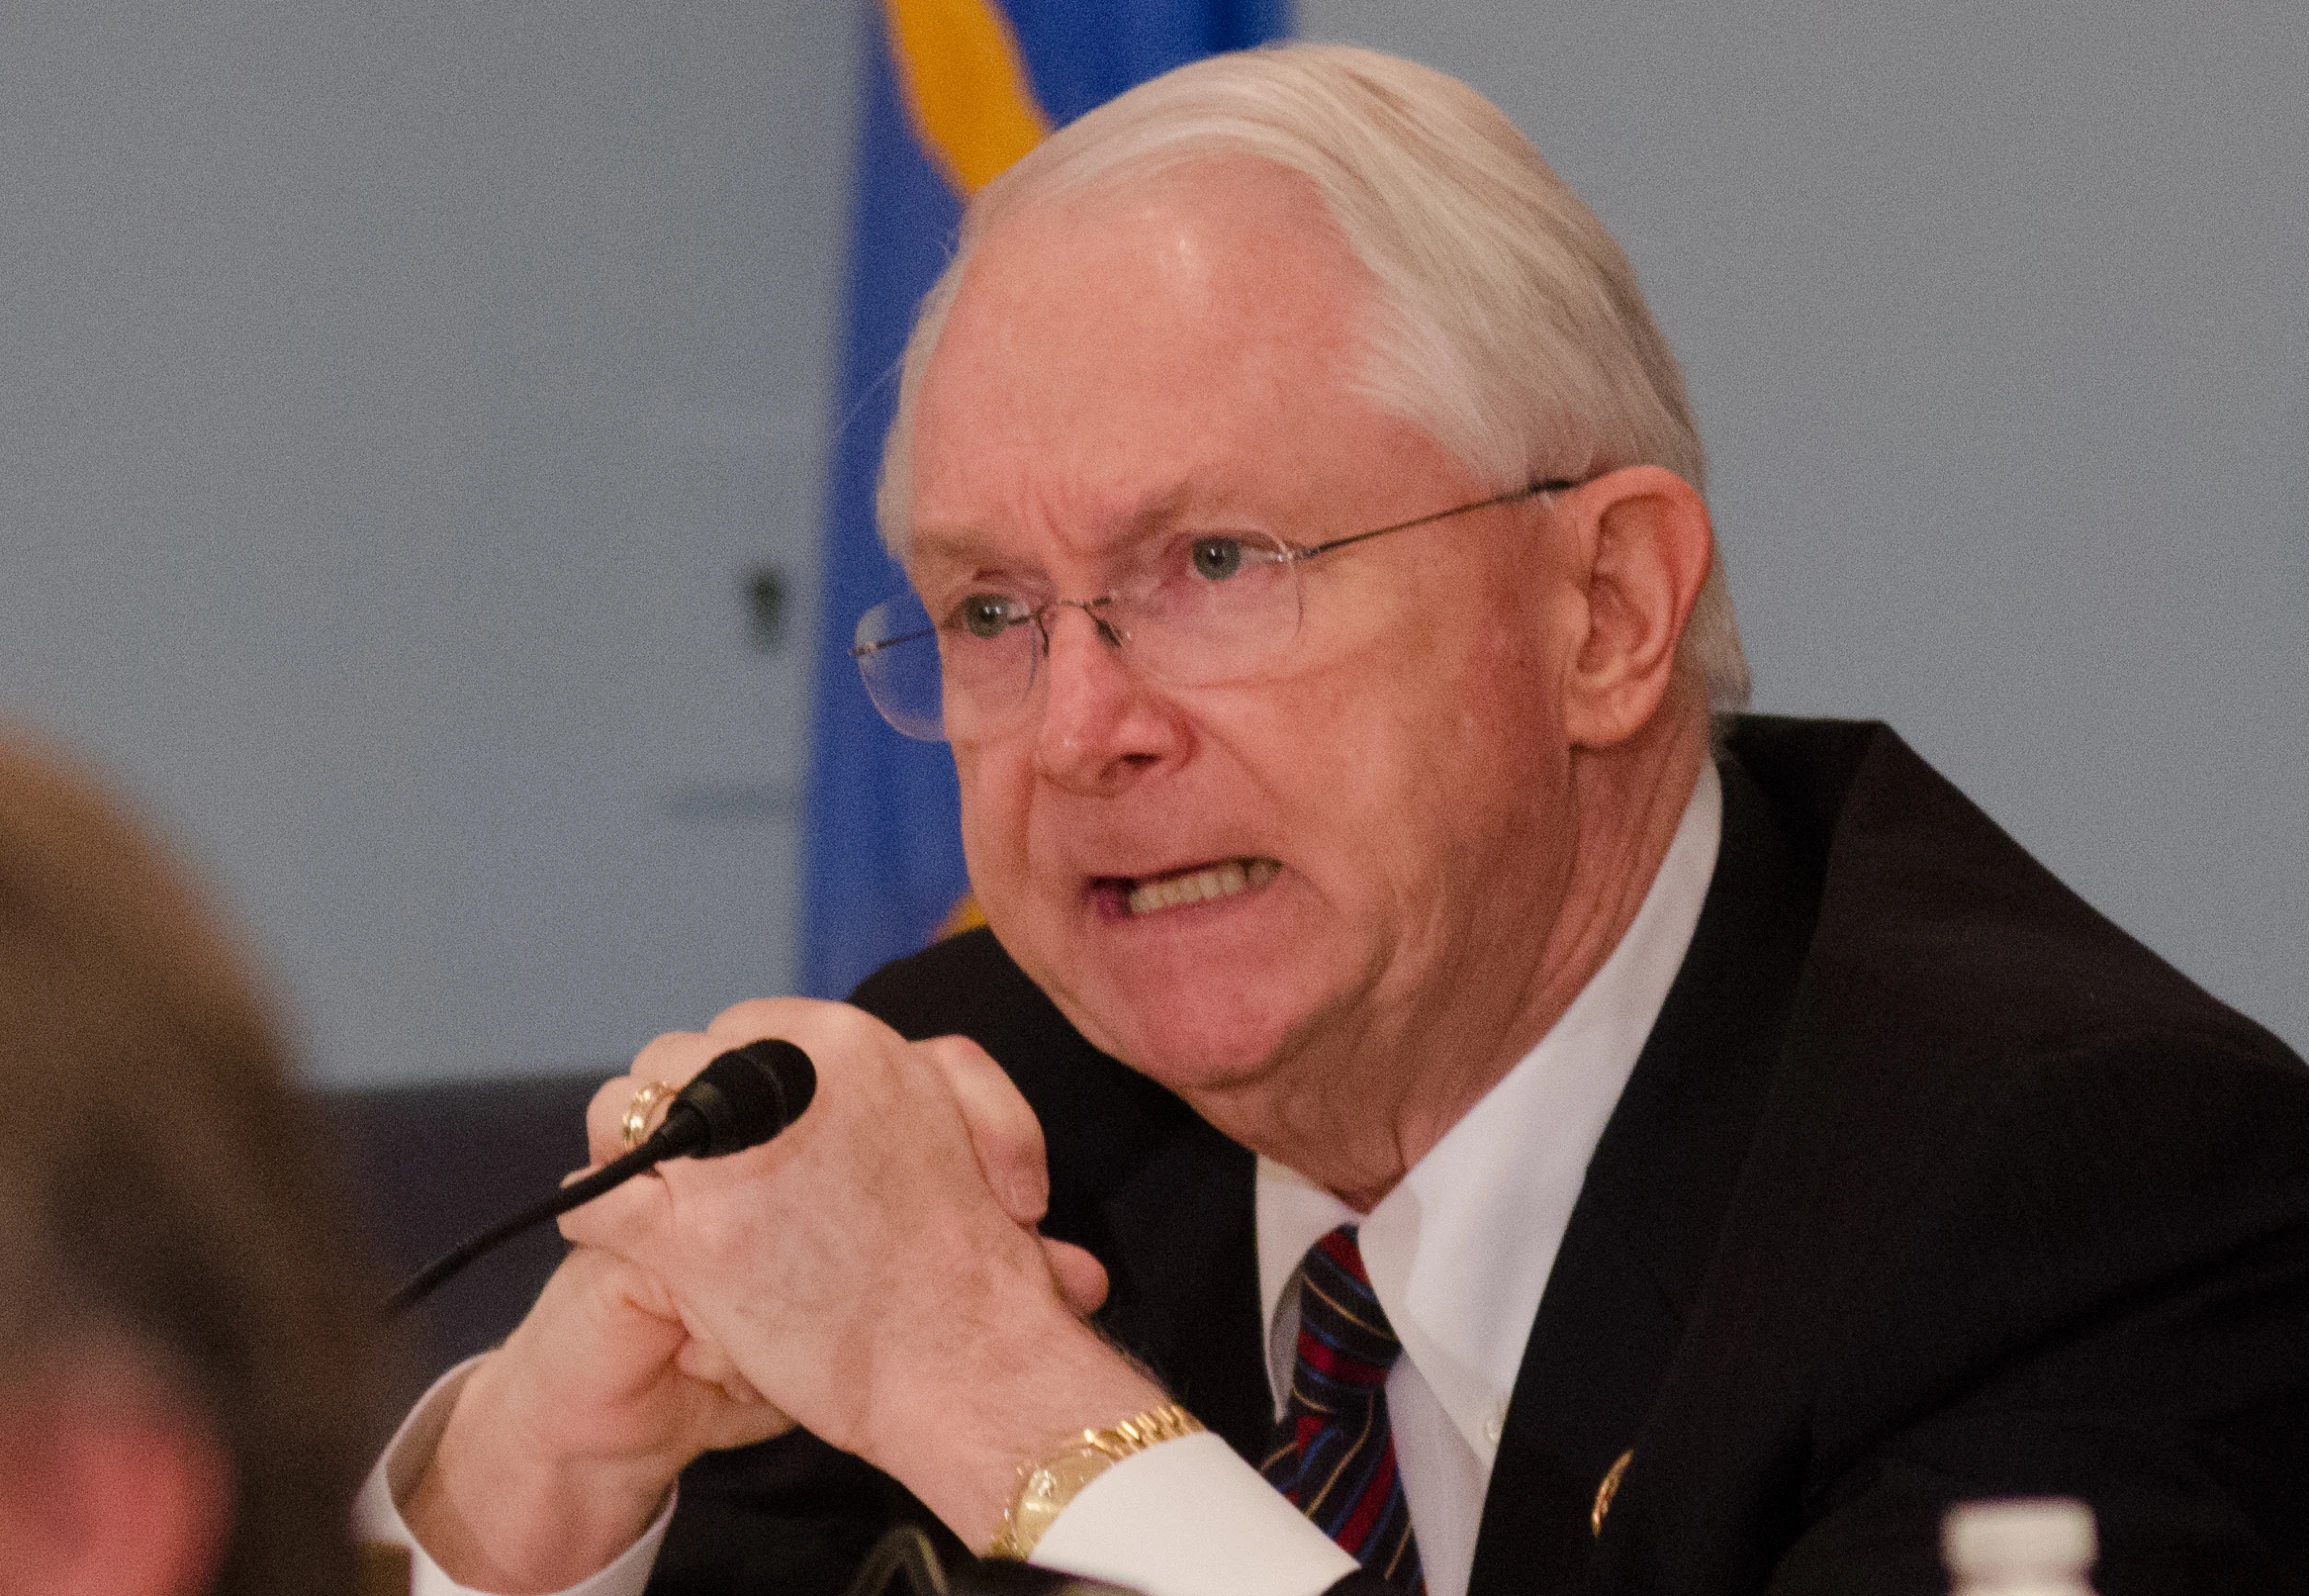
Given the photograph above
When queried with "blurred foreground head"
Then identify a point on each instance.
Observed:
(187, 1359)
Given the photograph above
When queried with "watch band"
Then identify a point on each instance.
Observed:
(1045, 1488)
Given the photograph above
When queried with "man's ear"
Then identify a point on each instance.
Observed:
(109, 1498)
(1645, 543)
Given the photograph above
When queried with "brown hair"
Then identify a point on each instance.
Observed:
(163, 1186)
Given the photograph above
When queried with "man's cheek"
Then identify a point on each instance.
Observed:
(995, 849)
(982, 809)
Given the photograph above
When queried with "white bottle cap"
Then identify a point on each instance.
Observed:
(2049, 1536)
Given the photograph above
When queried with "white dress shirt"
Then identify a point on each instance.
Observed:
(1458, 1253)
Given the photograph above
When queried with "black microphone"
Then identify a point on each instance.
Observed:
(740, 1100)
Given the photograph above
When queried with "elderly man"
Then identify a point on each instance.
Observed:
(1560, 1147)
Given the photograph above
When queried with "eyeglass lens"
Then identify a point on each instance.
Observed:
(1199, 611)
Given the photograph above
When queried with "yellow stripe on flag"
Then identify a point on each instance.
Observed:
(966, 83)
(964, 916)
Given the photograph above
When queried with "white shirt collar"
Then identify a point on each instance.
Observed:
(1459, 1252)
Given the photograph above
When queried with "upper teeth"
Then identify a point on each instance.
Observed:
(1193, 886)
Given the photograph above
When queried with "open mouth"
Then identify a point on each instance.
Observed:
(1198, 884)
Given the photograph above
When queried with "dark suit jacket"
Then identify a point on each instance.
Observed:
(1929, 1184)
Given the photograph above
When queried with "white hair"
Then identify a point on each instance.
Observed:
(1506, 322)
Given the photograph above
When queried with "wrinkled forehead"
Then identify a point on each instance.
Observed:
(1127, 351)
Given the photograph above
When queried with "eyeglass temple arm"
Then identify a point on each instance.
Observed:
(1530, 490)
(861, 650)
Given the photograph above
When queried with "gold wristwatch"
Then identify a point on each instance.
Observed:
(1045, 1488)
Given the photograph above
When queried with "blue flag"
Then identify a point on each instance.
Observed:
(955, 90)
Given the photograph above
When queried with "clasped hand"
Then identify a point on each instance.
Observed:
(874, 1267)
(808, 1268)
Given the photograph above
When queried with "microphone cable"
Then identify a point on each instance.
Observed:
(740, 1100)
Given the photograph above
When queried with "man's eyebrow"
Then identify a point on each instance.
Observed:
(947, 552)
(973, 545)
(957, 546)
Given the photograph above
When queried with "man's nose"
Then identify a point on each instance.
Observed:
(1101, 721)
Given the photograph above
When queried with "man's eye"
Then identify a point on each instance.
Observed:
(988, 614)
(1216, 559)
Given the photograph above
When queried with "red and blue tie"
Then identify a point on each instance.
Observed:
(1333, 1454)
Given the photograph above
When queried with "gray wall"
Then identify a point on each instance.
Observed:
(391, 397)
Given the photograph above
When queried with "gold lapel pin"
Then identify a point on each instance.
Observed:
(1607, 1490)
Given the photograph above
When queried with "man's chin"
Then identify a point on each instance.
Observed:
(1193, 1039)
(1204, 1004)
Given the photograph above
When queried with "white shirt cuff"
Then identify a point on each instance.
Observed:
(1190, 1518)
(377, 1510)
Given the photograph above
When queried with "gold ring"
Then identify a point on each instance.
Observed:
(642, 1110)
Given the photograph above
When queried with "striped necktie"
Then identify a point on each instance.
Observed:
(1333, 1454)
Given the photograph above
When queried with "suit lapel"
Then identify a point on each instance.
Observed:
(1649, 1211)
(1185, 1283)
